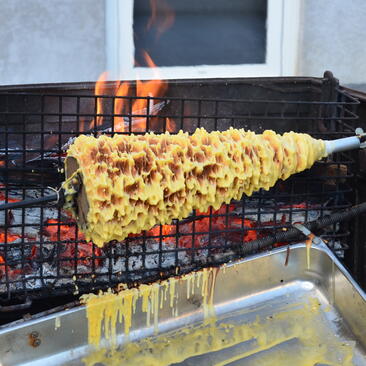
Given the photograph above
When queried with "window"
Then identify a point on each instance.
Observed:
(204, 38)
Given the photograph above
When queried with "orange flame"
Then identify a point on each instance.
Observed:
(120, 106)
(170, 125)
(140, 107)
(50, 142)
(151, 88)
(99, 90)
(162, 17)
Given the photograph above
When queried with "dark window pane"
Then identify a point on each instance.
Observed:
(204, 32)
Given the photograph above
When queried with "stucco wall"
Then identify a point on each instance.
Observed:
(334, 38)
(64, 40)
(51, 40)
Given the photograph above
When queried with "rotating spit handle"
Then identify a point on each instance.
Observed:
(347, 143)
(58, 199)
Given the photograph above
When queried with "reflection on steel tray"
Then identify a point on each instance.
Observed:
(271, 314)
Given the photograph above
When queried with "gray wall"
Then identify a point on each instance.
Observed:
(64, 40)
(334, 38)
(45, 41)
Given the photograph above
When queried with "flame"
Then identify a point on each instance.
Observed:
(50, 142)
(162, 18)
(100, 90)
(170, 125)
(82, 124)
(152, 88)
(120, 106)
(140, 107)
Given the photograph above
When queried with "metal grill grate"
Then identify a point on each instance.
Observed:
(42, 253)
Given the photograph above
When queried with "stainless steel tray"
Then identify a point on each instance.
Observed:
(287, 315)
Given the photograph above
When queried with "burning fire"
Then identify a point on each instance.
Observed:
(161, 18)
(139, 107)
(133, 106)
(100, 89)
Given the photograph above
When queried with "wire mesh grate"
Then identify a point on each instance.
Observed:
(42, 252)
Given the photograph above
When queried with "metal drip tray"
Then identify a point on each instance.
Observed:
(268, 313)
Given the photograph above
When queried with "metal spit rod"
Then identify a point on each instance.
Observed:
(332, 146)
(348, 143)
(30, 202)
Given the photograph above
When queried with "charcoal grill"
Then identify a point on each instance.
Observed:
(42, 253)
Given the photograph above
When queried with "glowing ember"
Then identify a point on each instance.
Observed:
(63, 232)
(8, 238)
(80, 250)
(220, 223)
(12, 273)
(3, 196)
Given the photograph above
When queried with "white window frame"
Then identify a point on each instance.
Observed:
(283, 20)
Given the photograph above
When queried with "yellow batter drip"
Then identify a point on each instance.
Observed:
(253, 343)
(135, 182)
(308, 256)
(106, 310)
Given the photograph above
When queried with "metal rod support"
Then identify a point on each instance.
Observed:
(345, 144)
(294, 234)
(29, 202)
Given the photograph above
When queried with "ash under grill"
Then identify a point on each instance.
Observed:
(43, 254)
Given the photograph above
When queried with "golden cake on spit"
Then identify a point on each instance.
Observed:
(129, 183)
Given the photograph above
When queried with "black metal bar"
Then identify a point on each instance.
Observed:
(16, 307)
(29, 202)
(294, 234)
(351, 117)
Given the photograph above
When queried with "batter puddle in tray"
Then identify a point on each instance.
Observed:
(293, 334)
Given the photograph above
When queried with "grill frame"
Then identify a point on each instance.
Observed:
(327, 105)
